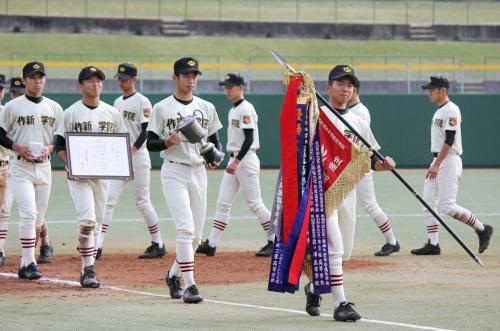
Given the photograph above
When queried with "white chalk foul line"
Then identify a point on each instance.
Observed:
(248, 217)
(227, 303)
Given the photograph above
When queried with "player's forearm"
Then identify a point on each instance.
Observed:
(247, 143)
(63, 156)
(142, 137)
(5, 141)
(214, 139)
(59, 143)
(155, 143)
(442, 154)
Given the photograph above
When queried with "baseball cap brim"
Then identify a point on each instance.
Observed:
(18, 89)
(347, 74)
(98, 73)
(228, 84)
(34, 72)
(123, 76)
(189, 70)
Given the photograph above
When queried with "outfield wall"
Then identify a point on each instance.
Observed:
(401, 124)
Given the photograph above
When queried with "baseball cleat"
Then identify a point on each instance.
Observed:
(312, 301)
(267, 250)
(205, 248)
(98, 254)
(428, 249)
(484, 237)
(388, 249)
(2, 259)
(29, 272)
(174, 286)
(345, 312)
(46, 253)
(153, 251)
(191, 295)
(89, 278)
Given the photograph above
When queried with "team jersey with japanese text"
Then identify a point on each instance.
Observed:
(135, 110)
(80, 118)
(241, 117)
(361, 110)
(166, 116)
(4, 152)
(25, 121)
(446, 117)
(358, 124)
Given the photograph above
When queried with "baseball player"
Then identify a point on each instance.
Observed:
(4, 179)
(441, 181)
(136, 111)
(183, 174)
(16, 87)
(243, 169)
(365, 190)
(341, 224)
(89, 195)
(16, 90)
(27, 126)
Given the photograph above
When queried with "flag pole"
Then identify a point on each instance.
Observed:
(379, 156)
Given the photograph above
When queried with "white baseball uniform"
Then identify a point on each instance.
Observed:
(30, 123)
(183, 176)
(135, 110)
(365, 190)
(347, 210)
(442, 191)
(89, 195)
(241, 116)
(4, 180)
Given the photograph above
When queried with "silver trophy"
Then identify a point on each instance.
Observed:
(194, 133)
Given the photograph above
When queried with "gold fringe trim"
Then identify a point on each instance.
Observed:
(345, 183)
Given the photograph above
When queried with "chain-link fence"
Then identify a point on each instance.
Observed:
(329, 11)
(379, 74)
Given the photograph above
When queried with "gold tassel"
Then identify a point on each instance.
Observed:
(346, 182)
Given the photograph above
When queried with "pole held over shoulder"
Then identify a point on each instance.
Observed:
(281, 60)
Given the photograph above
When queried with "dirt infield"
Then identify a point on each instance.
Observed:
(126, 270)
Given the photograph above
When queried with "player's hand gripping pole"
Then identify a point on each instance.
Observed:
(282, 61)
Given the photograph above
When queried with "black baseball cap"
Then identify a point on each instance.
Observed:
(126, 71)
(3, 82)
(32, 68)
(343, 70)
(232, 79)
(436, 82)
(88, 71)
(186, 65)
(16, 84)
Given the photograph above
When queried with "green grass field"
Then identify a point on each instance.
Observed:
(362, 11)
(443, 292)
(75, 47)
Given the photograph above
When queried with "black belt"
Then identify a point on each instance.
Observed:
(185, 164)
(34, 161)
(4, 163)
(435, 154)
(233, 154)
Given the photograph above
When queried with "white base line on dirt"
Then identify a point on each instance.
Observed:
(131, 220)
(227, 303)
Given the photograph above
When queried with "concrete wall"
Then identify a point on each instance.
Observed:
(286, 29)
(242, 28)
(467, 33)
(400, 123)
(79, 25)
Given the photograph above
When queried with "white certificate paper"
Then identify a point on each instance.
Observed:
(99, 155)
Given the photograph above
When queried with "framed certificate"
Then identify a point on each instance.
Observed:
(99, 155)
